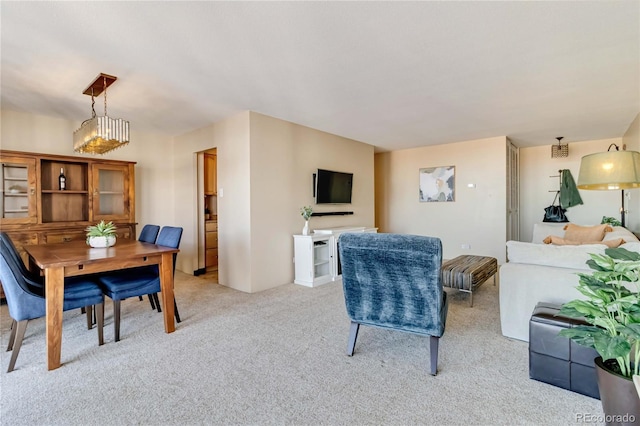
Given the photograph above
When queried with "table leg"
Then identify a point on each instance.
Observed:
(166, 286)
(54, 287)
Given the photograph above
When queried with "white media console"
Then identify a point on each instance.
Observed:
(316, 256)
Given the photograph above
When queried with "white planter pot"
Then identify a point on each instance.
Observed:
(101, 242)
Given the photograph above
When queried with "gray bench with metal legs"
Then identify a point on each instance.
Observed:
(466, 273)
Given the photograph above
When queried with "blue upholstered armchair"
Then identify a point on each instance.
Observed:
(393, 281)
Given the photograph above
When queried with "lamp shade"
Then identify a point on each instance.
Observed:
(611, 170)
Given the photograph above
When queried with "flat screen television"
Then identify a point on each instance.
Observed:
(333, 187)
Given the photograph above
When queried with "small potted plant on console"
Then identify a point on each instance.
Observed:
(101, 235)
(612, 307)
(306, 213)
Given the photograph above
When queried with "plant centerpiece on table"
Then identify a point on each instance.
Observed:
(101, 235)
(306, 213)
(612, 307)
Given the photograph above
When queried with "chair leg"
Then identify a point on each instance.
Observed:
(89, 311)
(157, 300)
(100, 322)
(21, 327)
(153, 305)
(12, 337)
(116, 320)
(433, 350)
(353, 335)
(175, 310)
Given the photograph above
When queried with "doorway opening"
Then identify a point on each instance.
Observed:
(208, 215)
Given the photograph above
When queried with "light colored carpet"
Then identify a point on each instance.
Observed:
(278, 357)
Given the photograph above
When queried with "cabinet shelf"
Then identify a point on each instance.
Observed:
(15, 179)
(66, 191)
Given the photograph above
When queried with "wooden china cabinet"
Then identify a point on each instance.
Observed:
(35, 210)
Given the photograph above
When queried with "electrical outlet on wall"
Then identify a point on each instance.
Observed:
(466, 246)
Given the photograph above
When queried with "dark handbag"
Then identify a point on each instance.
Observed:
(555, 213)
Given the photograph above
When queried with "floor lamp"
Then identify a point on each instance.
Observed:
(611, 170)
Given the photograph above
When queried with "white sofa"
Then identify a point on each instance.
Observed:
(537, 272)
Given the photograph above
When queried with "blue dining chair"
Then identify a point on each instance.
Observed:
(37, 280)
(139, 281)
(25, 296)
(149, 234)
(151, 238)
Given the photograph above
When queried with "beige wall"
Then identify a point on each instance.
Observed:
(154, 170)
(231, 138)
(632, 136)
(631, 139)
(536, 167)
(257, 153)
(476, 217)
(265, 168)
(284, 157)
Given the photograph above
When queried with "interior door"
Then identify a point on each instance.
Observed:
(513, 192)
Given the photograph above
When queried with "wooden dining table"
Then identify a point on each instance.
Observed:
(60, 260)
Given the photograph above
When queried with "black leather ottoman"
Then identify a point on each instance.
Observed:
(558, 360)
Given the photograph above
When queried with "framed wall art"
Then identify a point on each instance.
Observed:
(437, 184)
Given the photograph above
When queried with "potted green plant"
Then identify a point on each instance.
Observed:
(306, 213)
(612, 308)
(101, 235)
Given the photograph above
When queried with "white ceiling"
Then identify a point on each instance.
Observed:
(392, 74)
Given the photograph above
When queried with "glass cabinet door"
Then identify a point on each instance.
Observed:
(18, 201)
(111, 200)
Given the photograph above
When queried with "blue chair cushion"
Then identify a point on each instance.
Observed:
(131, 282)
(80, 292)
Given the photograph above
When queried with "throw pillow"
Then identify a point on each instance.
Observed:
(541, 230)
(620, 232)
(579, 233)
(552, 239)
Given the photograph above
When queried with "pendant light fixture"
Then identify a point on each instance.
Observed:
(100, 134)
(560, 150)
